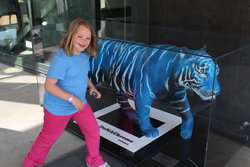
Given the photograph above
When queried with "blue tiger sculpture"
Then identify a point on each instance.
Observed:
(142, 73)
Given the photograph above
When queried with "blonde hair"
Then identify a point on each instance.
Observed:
(67, 42)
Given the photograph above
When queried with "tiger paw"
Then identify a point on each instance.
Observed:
(151, 133)
(187, 128)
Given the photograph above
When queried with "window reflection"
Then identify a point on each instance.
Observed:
(15, 29)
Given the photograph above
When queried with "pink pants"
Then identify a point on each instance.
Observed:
(53, 127)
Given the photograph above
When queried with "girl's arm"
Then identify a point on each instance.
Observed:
(92, 89)
(51, 87)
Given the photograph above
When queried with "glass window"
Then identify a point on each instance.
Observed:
(15, 36)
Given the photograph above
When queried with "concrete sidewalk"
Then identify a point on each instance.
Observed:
(21, 119)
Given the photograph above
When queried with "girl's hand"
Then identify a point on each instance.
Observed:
(77, 103)
(95, 92)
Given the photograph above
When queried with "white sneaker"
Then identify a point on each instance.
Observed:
(103, 165)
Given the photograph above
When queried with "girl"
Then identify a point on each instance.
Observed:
(64, 97)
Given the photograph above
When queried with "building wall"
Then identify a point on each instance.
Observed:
(222, 25)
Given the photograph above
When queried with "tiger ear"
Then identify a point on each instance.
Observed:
(204, 48)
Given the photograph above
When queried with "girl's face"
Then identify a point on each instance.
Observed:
(81, 40)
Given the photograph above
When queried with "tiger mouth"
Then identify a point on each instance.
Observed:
(206, 95)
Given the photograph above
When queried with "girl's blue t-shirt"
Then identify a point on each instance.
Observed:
(72, 74)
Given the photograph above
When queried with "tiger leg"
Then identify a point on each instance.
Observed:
(187, 124)
(125, 106)
(180, 103)
(143, 104)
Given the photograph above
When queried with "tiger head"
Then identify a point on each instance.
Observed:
(199, 73)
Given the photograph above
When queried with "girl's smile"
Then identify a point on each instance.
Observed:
(81, 40)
